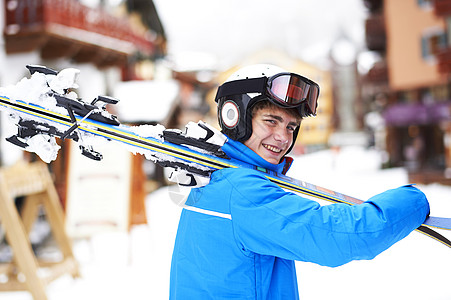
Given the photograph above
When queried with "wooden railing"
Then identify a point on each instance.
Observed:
(444, 61)
(73, 22)
(442, 7)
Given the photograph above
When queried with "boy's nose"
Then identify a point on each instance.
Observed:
(282, 136)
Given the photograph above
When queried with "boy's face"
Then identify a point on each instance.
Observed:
(272, 133)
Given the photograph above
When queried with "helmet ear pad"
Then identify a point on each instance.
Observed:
(235, 115)
(234, 118)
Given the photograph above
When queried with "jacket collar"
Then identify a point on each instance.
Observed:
(239, 151)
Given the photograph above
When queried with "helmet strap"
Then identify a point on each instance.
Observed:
(243, 86)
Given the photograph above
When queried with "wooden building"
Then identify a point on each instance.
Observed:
(410, 83)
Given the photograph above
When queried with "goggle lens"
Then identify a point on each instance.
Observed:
(291, 90)
(288, 89)
(313, 98)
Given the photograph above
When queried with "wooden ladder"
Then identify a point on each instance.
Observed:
(26, 271)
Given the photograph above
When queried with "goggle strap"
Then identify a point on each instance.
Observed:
(243, 86)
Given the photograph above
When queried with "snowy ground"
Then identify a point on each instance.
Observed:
(136, 265)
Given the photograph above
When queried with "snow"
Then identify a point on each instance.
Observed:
(145, 130)
(44, 146)
(36, 89)
(30, 90)
(136, 265)
(65, 79)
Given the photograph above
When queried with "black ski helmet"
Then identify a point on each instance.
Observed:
(249, 85)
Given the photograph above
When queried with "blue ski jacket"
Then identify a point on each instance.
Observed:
(239, 236)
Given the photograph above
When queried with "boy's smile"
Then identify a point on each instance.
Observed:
(272, 133)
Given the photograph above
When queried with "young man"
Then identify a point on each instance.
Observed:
(239, 236)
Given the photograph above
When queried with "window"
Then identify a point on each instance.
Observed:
(432, 43)
(425, 3)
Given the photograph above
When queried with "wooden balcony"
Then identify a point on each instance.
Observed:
(444, 61)
(442, 7)
(68, 29)
(375, 33)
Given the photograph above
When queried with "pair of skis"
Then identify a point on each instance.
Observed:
(53, 110)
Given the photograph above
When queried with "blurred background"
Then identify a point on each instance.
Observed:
(383, 67)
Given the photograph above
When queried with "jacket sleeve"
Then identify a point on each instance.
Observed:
(270, 221)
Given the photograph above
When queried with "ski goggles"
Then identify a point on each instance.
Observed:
(285, 89)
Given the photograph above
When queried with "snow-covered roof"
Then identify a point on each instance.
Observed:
(145, 101)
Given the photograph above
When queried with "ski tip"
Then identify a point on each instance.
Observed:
(41, 69)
